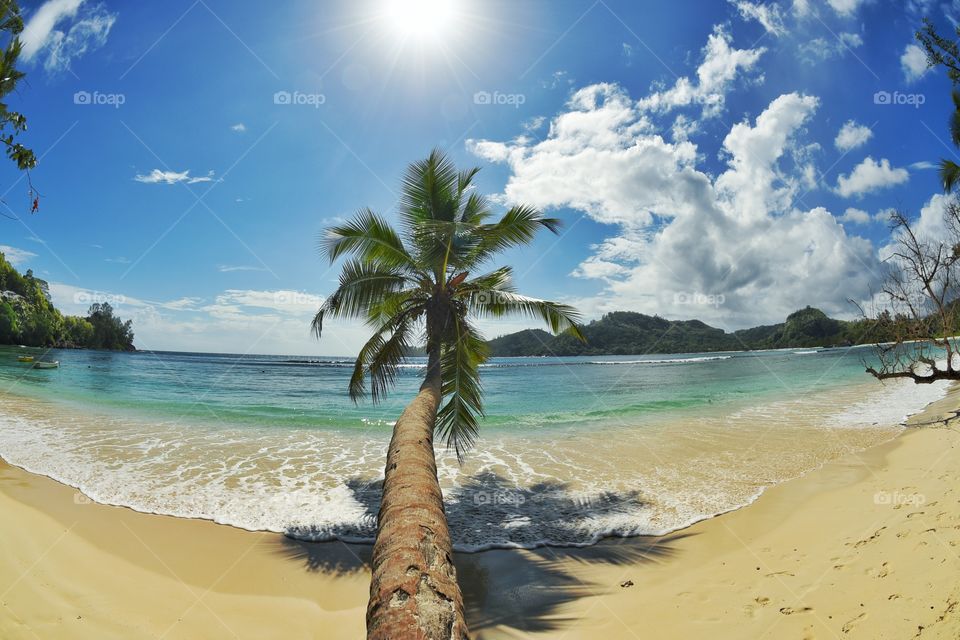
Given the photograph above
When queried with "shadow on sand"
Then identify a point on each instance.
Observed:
(522, 590)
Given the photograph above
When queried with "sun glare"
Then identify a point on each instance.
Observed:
(425, 19)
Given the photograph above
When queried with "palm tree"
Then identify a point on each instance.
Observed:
(949, 170)
(418, 287)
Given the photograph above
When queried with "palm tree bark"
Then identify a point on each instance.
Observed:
(413, 590)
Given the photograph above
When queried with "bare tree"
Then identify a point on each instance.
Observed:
(922, 293)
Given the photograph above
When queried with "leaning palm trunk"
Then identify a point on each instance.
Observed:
(425, 278)
(413, 591)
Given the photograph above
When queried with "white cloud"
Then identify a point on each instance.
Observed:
(172, 177)
(16, 256)
(852, 135)
(820, 49)
(677, 230)
(856, 216)
(239, 127)
(87, 29)
(914, 63)
(244, 321)
(766, 14)
(801, 8)
(720, 67)
(923, 165)
(846, 8)
(869, 176)
(225, 268)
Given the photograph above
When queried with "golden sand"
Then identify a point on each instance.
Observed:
(866, 547)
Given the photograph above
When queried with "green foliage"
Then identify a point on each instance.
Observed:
(28, 317)
(12, 123)
(946, 53)
(77, 331)
(630, 333)
(940, 51)
(414, 286)
(109, 331)
(9, 324)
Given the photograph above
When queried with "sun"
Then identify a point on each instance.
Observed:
(421, 19)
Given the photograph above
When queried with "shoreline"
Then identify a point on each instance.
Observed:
(880, 571)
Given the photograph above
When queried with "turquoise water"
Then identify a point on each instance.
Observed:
(572, 449)
(311, 392)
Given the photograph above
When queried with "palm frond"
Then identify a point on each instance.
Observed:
(380, 358)
(460, 360)
(517, 227)
(429, 191)
(949, 175)
(496, 303)
(370, 238)
(498, 280)
(955, 119)
(362, 286)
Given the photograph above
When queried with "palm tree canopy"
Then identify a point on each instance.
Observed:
(427, 284)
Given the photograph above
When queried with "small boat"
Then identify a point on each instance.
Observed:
(25, 359)
(46, 364)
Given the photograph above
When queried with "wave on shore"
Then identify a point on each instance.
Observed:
(515, 491)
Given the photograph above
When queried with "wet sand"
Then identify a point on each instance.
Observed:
(865, 547)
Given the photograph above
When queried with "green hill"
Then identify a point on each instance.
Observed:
(630, 333)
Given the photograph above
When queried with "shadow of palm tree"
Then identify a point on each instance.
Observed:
(522, 590)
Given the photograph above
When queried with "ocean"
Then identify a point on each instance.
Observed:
(572, 449)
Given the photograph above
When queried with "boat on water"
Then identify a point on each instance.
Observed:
(25, 359)
(46, 365)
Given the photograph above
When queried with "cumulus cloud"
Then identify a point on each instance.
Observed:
(60, 31)
(158, 176)
(16, 256)
(239, 127)
(768, 15)
(856, 216)
(869, 176)
(678, 231)
(720, 67)
(852, 135)
(914, 63)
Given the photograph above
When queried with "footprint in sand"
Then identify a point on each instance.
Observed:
(848, 627)
(915, 513)
(876, 534)
(882, 572)
(789, 611)
(758, 603)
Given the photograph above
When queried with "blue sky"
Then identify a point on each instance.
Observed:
(726, 160)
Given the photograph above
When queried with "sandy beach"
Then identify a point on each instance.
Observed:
(865, 547)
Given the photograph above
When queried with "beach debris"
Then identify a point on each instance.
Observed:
(626, 583)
